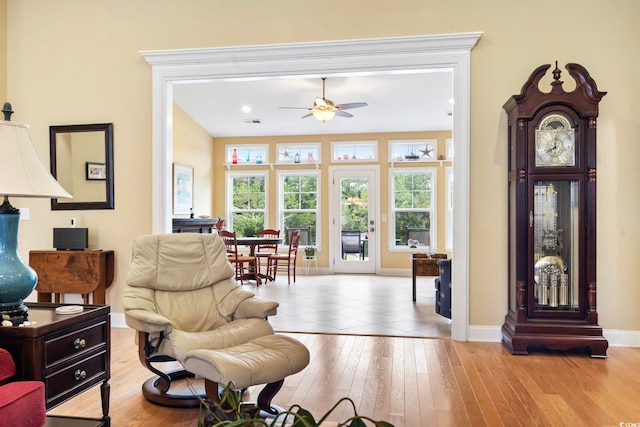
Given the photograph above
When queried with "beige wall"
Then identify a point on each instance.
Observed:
(193, 146)
(3, 51)
(77, 61)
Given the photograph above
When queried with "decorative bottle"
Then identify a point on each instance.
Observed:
(234, 157)
(296, 159)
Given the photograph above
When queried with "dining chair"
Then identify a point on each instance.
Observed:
(246, 266)
(285, 262)
(264, 251)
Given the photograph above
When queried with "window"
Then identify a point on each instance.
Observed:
(247, 202)
(298, 153)
(413, 150)
(247, 154)
(299, 204)
(355, 151)
(413, 206)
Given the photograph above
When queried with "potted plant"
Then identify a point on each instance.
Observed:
(310, 252)
(231, 412)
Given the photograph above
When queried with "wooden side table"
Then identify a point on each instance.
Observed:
(73, 272)
(424, 265)
(70, 353)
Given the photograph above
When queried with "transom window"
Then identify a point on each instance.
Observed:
(413, 207)
(247, 202)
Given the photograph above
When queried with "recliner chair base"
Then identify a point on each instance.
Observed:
(152, 391)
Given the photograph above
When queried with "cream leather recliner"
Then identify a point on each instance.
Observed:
(182, 299)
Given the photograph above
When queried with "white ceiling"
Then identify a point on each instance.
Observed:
(398, 102)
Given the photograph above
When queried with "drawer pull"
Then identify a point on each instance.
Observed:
(79, 343)
(80, 375)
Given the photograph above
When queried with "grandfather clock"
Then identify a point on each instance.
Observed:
(552, 215)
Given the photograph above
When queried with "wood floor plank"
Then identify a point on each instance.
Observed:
(439, 382)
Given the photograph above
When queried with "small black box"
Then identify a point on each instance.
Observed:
(71, 239)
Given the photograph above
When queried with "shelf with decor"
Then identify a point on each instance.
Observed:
(354, 151)
(247, 155)
(418, 151)
(298, 153)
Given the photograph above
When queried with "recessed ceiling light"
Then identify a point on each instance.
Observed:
(246, 109)
(451, 101)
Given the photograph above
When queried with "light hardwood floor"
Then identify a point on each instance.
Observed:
(399, 375)
(414, 382)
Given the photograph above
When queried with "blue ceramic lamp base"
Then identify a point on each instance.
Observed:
(17, 279)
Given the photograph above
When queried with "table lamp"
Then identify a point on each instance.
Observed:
(23, 174)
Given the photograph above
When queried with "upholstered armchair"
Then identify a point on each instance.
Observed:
(21, 402)
(182, 299)
(443, 288)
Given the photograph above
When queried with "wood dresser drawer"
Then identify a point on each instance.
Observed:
(70, 353)
(72, 379)
(79, 340)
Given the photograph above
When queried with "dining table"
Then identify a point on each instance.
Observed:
(252, 243)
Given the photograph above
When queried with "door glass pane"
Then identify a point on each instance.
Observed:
(354, 218)
(556, 234)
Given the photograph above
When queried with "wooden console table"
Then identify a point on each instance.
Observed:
(424, 265)
(194, 225)
(73, 272)
(70, 353)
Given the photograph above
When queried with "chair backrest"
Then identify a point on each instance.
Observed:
(351, 241)
(305, 235)
(230, 241)
(185, 277)
(419, 234)
(294, 242)
(268, 232)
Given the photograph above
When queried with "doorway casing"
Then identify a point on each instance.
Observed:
(346, 56)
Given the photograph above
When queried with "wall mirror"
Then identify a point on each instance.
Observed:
(82, 162)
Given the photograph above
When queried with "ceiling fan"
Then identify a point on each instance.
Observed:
(324, 109)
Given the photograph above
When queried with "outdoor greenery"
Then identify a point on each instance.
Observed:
(248, 224)
(412, 203)
(300, 203)
(248, 205)
(355, 202)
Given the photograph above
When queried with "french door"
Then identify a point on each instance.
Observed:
(353, 231)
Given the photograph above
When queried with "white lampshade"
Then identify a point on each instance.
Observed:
(323, 114)
(23, 173)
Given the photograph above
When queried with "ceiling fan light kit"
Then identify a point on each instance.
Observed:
(324, 109)
(323, 115)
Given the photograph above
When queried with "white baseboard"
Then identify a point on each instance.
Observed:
(482, 333)
(616, 338)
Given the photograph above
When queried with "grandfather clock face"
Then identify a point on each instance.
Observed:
(555, 142)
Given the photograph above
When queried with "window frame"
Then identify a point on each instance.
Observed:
(229, 211)
(433, 235)
(281, 211)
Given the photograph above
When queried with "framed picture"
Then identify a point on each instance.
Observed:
(96, 171)
(182, 188)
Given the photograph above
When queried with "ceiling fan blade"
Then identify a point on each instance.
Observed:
(343, 114)
(307, 115)
(296, 108)
(351, 105)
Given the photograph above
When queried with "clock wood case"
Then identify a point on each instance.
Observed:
(552, 215)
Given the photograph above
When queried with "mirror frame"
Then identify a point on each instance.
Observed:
(107, 128)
